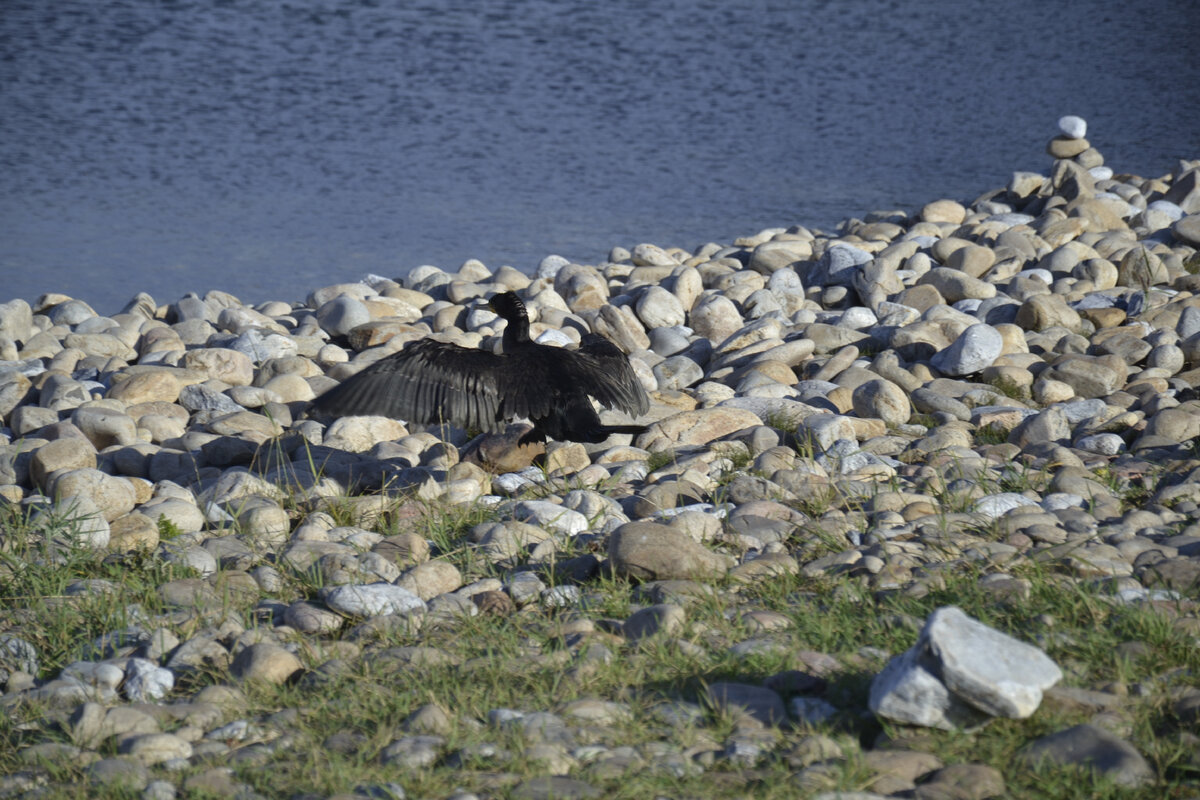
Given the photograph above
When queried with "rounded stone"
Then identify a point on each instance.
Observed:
(882, 399)
(975, 349)
(118, 773)
(716, 318)
(266, 663)
(944, 211)
(105, 427)
(431, 578)
(113, 496)
(155, 748)
(159, 385)
(221, 363)
(677, 372)
(658, 308)
(60, 454)
(1072, 127)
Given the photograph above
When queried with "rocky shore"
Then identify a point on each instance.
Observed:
(1001, 397)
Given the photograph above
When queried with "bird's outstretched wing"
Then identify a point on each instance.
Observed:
(427, 382)
(603, 371)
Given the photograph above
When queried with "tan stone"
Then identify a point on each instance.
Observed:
(697, 427)
(160, 385)
(431, 578)
(221, 363)
(265, 663)
(133, 531)
(944, 211)
(61, 454)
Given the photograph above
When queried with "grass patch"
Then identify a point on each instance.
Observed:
(337, 728)
(60, 596)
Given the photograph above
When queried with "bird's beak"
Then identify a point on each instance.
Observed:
(490, 306)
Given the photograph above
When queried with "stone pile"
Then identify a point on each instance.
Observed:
(983, 382)
(961, 673)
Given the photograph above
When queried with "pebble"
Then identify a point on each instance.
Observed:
(371, 599)
(1096, 749)
(1050, 326)
(265, 663)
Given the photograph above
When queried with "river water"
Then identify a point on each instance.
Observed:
(268, 148)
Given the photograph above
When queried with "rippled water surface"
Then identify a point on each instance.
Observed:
(270, 148)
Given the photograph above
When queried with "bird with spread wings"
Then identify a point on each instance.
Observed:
(430, 382)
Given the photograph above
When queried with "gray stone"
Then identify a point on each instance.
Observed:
(666, 619)
(992, 671)
(550, 516)
(839, 265)
(555, 787)
(649, 551)
(1090, 746)
(658, 308)
(677, 372)
(118, 773)
(909, 691)
(155, 748)
(975, 348)
(757, 702)
(997, 505)
(371, 599)
(340, 315)
(16, 320)
(413, 752)
(146, 682)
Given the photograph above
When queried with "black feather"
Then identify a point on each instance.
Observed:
(432, 382)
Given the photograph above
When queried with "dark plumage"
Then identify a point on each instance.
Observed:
(433, 382)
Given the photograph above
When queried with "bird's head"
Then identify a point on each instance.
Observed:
(507, 306)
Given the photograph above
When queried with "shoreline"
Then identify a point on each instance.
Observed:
(976, 404)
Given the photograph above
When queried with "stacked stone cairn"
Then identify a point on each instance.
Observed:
(872, 386)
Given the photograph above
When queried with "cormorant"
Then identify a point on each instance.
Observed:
(433, 382)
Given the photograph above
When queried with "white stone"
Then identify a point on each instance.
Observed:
(975, 349)
(342, 314)
(554, 338)
(651, 255)
(992, 671)
(371, 599)
(99, 674)
(1167, 207)
(997, 505)
(510, 482)
(1106, 444)
(858, 318)
(561, 597)
(908, 691)
(146, 682)
(550, 516)
(1072, 127)
(549, 266)
(1057, 501)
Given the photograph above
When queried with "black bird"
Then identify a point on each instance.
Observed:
(434, 382)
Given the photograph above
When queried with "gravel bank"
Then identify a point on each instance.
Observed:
(993, 384)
